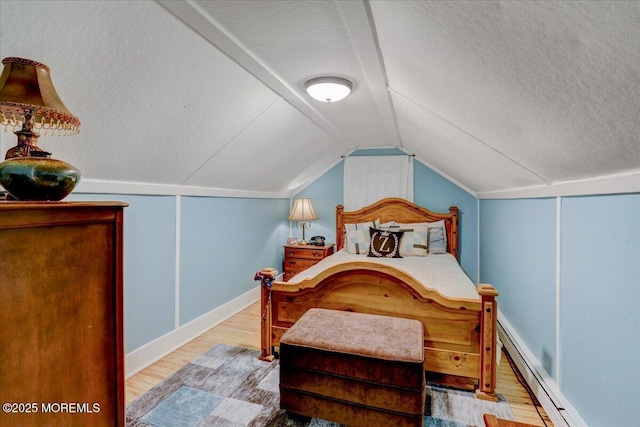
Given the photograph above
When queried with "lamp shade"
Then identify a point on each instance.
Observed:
(27, 94)
(302, 211)
(328, 89)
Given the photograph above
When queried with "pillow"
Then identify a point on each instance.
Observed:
(358, 236)
(385, 243)
(414, 240)
(437, 237)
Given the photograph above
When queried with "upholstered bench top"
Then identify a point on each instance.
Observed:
(359, 334)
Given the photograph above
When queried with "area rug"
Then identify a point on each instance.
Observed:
(230, 387)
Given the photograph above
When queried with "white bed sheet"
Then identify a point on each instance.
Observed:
(440, 272)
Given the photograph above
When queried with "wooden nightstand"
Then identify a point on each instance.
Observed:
(301, 257)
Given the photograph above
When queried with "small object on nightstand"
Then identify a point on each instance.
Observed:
(301, 257)
(317, 241)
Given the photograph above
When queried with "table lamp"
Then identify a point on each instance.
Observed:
(28, 100)
(303, 211)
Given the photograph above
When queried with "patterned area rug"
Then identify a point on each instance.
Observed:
(228, 386)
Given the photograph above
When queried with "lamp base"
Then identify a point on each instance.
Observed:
(27, 144)
(38, 178)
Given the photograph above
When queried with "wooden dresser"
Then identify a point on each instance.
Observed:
(301, 257)
(61, 343)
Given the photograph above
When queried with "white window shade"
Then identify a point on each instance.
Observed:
(368, 179)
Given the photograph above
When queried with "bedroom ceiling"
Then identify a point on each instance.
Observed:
(493, 95)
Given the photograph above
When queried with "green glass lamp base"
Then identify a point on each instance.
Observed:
(38, 178)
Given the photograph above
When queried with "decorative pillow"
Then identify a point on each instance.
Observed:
(414, 240)
(437, 237)
(358, 236)
(385, 243)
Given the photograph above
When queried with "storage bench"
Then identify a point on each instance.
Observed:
(354, 368)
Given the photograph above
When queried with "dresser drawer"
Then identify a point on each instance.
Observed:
(298, 264)
(288, 274)
(306, 253)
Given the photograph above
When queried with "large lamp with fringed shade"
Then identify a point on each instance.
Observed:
(30, 104)
(303, 212)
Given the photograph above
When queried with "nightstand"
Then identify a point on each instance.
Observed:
(301, 257)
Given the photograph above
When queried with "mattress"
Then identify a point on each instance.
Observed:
(440, 272)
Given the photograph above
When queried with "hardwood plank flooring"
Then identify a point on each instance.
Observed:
(243, 330)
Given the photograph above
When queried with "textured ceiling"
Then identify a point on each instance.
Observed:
(550, 87)
(493, 95)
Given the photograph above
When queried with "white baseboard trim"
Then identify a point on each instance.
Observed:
(557, 407)
(144, 356)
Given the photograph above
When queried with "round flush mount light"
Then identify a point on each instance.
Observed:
(328, 89)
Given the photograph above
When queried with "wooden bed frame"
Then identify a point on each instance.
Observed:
(460, 334)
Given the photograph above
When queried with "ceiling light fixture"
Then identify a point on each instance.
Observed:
(328, 89)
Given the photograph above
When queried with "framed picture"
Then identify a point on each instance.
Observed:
(292, 241)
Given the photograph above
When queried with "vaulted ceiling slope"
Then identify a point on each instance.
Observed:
(494, 95)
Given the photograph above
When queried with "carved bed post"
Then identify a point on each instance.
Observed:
(452, 239)
(488, 342)
(339, 228)
(266, 277)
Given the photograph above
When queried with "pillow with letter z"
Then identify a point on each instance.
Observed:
(385, 243)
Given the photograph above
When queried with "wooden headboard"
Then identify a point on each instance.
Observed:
(399, 210)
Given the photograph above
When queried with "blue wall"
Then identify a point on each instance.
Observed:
(598, 362)
(431, 190)
(518, 256)
(600, 308)
(223, 242)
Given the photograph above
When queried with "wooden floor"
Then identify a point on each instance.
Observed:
(243, 330)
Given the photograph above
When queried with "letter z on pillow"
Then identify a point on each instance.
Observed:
(385, 243)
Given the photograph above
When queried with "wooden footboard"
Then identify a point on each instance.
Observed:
(460, 334)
